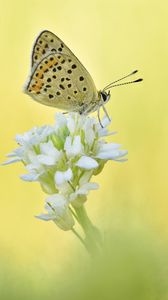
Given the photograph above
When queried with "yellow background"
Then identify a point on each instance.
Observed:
(111, 38)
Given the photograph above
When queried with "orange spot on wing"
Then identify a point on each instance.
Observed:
(36, 87)
(38, 78)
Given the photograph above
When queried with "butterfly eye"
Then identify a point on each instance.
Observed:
(104, 96)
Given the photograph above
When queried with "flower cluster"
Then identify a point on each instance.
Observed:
(63, 158)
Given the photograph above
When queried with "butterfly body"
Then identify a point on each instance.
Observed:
(59, 79)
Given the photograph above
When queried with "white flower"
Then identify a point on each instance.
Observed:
(85, 188)
(34, 136)
(49, 154)
(79, 196)
(35, 168)
(58, 211)
(110, 151)
(62, 177)
(63, 158)
(72, 146)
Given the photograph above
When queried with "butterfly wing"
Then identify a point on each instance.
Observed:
(52, 64)
(46, 43)
(60, 80)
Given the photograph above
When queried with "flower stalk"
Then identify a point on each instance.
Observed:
(93, 239)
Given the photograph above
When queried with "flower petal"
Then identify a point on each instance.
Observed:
(45, 217)
(12, 154)
(85, 177)
(57, 207)
(109, 146)
(49, 149)
(46, 160)
(105, 122)
(61, 120)
(11, 161)
(71, 123)
(62, 177)
(112, 154)
(87, 163)
(85, 188)
(30, 177)
(74, 147)
(89, 136)
(56, 202)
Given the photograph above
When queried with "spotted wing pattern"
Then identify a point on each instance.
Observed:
(57, 77)
(46, 43)
(60, 81)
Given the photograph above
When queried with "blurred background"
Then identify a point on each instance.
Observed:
(111, 38)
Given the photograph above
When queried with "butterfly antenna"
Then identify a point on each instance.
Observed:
(124, 83)
(109, 85)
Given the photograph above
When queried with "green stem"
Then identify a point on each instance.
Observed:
(79, 237)
(74, 214)
(93, 238)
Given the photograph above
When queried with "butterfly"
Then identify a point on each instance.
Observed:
(59, 79)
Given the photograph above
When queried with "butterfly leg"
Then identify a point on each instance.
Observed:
(105, 111)
(98, 115)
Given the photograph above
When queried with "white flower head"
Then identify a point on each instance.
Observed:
(63, 158)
